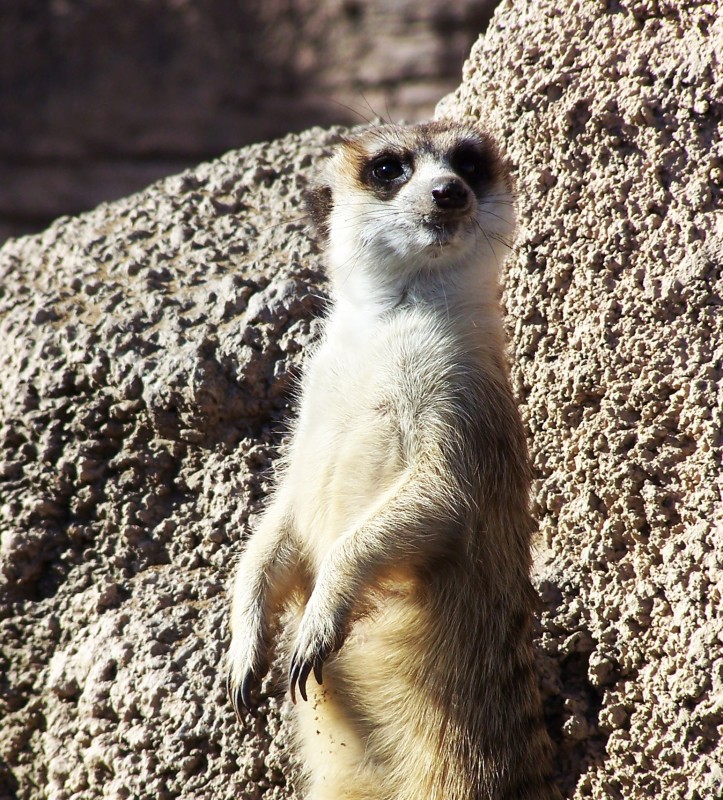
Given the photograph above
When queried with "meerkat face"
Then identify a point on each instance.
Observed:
(424, 196)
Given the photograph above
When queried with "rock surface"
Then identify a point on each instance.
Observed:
(148, 349)
(615, 299)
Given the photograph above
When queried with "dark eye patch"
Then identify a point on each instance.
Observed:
(473, 164)
(387, 169)
(386, 173)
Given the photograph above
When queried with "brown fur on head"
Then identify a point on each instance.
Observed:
(393, 203)
(318, 202)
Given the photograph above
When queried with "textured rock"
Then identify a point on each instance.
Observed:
(100, 98)
(615, 294)
(147, 352)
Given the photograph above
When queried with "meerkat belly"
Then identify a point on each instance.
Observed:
(346, 456)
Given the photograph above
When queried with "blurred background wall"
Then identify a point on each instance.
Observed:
(98, 98)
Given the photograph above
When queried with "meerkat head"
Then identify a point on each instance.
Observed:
(399, 201)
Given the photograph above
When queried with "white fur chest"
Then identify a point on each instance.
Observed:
(349, 442)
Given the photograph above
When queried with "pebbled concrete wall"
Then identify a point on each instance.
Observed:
(147, 353)
(611, 114)
(147, 350)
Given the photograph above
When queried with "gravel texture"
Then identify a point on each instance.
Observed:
(148, 350)
(611, 113)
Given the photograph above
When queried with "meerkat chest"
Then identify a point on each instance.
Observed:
(355, 420)
(346, 450)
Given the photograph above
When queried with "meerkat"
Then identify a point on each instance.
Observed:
(397, 540)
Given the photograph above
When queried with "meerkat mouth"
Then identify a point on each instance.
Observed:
(442, 233)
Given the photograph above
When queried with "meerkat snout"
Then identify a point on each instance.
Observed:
(450, 194)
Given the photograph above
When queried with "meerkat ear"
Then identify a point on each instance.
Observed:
(318, 200)
(319, 196)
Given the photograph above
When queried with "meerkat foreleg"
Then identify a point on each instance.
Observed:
(260, 585)
(400, 531)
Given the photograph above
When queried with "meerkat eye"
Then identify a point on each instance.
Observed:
(471, 164)
(387, 169)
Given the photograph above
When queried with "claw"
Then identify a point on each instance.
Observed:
(299, 674)
(318, 661)
(297, 678)
(245, 692)
(240, 696)
(303, 675)
(233, 696)
(293, 677)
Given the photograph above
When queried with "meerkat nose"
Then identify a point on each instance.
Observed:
(450, 193)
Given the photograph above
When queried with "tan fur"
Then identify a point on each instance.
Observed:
(398, 536)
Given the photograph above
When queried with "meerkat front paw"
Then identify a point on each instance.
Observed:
(247, 664)
(320, 634)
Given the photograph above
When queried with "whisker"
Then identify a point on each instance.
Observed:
(288, 220)
(351, 109)
(489, 243)
(492, 214)
(376, 115)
